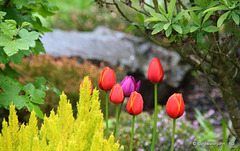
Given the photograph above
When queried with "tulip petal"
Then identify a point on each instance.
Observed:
(172, 107)
(116, 95)
(137, 88)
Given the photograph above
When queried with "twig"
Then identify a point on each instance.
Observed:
(155, 2)
(165, 5)
(120, 11)
(183, 6)
(136, 9)
(148, 5)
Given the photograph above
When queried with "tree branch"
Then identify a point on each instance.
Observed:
(183, 6)
(136, 9)
(120, 11)
(155, 2)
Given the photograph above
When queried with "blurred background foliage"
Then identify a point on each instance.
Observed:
(83, 15)
(65, 74)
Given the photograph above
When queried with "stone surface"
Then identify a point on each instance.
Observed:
(116, 48)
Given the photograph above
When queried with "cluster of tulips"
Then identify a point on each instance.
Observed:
(130, 88)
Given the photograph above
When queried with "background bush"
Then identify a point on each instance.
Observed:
(64, 73)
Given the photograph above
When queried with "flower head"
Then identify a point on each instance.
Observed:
(129, 85)
(116, 95)
(135, 103)
(175, 106)
(155, 71)
(107, 79)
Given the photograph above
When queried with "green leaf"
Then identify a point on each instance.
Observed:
(11, 88)
(130, 28)
(9, 27)
(195, 19)
(217, 8)
(162, 10)
(17, 58)
(157, 28)
(165, 27)
(30, 37)
(35, 95)
(177, 28)
(38, 48)
(207, 16)
(172, 38)
(4, 39)
(140, 18)
(235, 18)
(222, 18)
(32, 106)
(194, 8)
(11, 48)
(158, 16)
(25, 24)
(171, 7)
(211, 29)
(179, 16)
(3, 57)
(40, 83)
(2, 14)
(11, 72)
(20, 3)
(168, 31)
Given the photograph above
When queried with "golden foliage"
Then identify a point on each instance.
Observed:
(60, 131)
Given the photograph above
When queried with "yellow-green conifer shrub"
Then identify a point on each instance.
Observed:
(60, 131)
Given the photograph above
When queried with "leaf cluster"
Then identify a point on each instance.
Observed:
(20, 29)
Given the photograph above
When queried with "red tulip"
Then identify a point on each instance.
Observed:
(155, 71)
(116, 95)
(91, 87)
(135, 103)
(107, 79)
(175, 106)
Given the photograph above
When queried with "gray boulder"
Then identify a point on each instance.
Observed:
(116, 48)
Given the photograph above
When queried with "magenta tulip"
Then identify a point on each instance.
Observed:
(129, 85)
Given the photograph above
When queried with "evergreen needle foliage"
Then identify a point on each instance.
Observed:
(60, 131)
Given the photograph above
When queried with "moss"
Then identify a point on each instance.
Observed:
(60, 131)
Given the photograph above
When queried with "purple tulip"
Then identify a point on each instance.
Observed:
(129, 85)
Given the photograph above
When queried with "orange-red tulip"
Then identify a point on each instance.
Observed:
(116, 95)
(107, 79)
(135, 103)
(175, 106)
(155, 71)
(91, 87)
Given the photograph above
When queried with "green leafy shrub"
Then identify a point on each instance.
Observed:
(19, 37)
(60, 131)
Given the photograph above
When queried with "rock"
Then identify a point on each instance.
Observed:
(116, 48)
(121, 49)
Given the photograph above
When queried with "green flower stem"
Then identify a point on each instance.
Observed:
(121, 105)
(118, 117)
(117, 120)
(155, 117)
(133, 120)
(173, 133)
(106, 115)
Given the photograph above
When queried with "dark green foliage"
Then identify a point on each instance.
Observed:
(20, 29)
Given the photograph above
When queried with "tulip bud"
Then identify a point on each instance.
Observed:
(116, 95)
(155, 71)
(129, 85)
(107, 79)
(91, 87)
(135, 104)
(175, 106)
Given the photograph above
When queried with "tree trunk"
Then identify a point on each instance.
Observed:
(232, 102)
